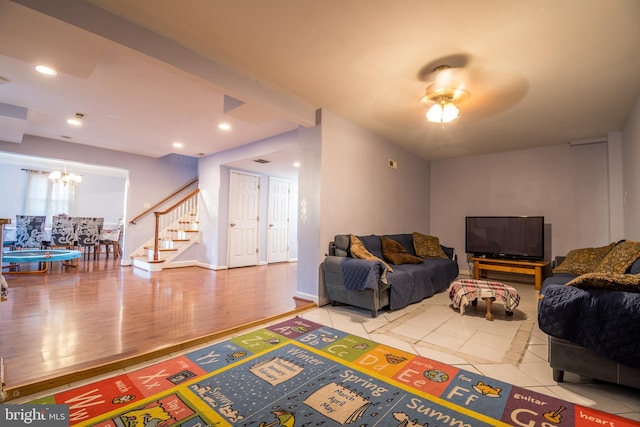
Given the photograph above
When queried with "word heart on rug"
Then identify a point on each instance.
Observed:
(300, 373)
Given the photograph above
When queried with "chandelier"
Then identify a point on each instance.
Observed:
(65, 178)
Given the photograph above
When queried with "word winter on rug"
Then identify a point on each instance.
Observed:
(300, 373)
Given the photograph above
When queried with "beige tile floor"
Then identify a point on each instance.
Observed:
(511, 349)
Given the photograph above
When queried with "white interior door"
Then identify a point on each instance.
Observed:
(244, 197)
(278, 220)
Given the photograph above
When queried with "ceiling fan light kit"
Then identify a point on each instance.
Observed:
(443, 113)
(445, 95)
(445, 101)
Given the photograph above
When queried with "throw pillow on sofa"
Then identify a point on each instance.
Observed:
(396, 254)
(621, 257)
(359, 251)
(584, 260)
(427, 246)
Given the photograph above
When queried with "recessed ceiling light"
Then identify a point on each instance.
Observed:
(76, 120)
(224, 126)
(178, 145)
(296, 164)
(46, 70)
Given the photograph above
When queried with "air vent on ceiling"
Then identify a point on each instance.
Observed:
(262, 161)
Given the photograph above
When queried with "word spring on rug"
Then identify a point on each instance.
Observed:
(300, 373)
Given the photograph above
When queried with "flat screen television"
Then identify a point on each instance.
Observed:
(508, 237)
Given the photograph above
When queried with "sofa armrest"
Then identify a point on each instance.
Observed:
(334, 273)
(332, 264)
(451, 252)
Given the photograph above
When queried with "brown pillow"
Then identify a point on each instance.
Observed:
(612, 282)
(620, 258)
(359, 251)
(427, 246)
(584, 260)
(396, 254)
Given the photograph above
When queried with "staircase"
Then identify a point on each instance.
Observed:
(176, 230)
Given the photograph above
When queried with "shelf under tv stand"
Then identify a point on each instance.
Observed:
(531, 268)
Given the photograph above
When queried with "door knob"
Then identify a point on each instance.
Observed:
(232, 224)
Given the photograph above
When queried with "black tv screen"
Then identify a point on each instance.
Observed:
(509, 237)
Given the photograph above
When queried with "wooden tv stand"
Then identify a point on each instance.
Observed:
(531, 268)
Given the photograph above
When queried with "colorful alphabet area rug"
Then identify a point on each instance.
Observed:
(300, 373)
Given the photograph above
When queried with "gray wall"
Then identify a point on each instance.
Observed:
(567, 185)
(590, 194)
(631, 173)
(360, 194)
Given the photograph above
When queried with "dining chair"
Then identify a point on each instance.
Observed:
(30, 231)
(110, 239)
(63, 232)
(89, 230)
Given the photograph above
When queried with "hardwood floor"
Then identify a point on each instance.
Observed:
(67, 325)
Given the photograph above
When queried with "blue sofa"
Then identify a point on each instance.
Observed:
(369, 284)
(592, 327)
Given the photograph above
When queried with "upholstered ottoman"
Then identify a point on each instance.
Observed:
(464, 291)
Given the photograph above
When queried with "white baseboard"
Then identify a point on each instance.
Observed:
(179, 264)
(308, 297)
(211, 266)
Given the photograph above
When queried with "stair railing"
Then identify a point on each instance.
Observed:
(170, 219)
(163, 201)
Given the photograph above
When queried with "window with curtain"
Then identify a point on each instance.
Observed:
(45, 197)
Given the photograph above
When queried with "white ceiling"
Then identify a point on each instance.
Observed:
(147, 73)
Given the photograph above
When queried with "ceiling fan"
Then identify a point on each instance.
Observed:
(444, 95)
(452, 79)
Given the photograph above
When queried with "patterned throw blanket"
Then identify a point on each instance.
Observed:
(360, 274)
(463, 291)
